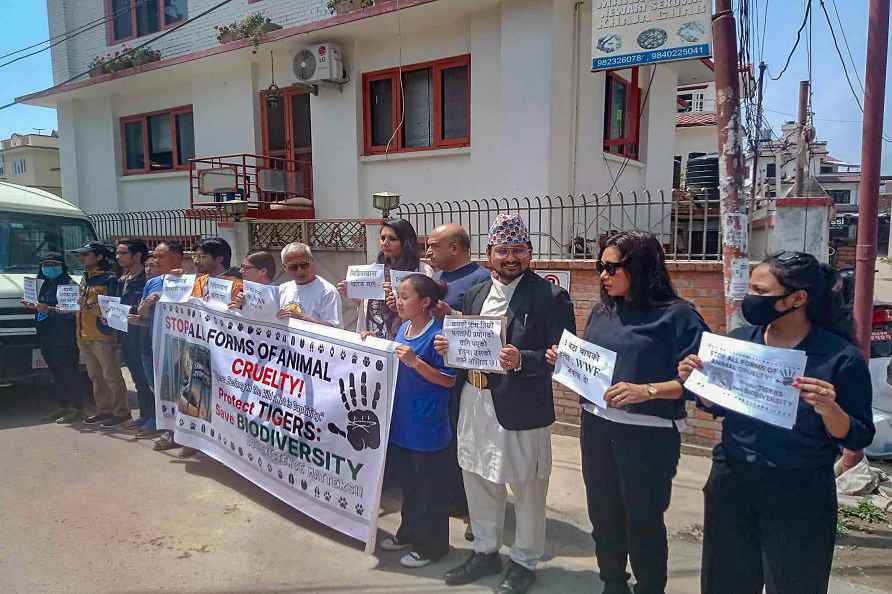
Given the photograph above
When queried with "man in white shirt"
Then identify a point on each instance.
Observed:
(308, 297)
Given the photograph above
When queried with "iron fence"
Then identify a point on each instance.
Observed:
(571, 227)
(334, 234)
(154, 226)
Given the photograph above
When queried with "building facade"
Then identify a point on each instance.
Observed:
(696, 128)
(31, 160)
(440, 100)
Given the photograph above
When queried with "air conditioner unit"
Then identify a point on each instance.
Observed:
(319, 63)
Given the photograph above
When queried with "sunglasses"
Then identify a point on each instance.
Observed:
(609, 267)
(790, 256)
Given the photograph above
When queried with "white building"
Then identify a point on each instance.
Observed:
(498, 94)
(696, 127)
(31, 160)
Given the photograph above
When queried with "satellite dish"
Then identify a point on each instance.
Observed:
(304, 65)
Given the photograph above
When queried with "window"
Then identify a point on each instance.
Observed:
(434, 107)
(840, 196)
(160, 141)
(693, 101)
(770, 170)
(825, 169)
(622, 112)
(19, 167)
(134, 18)
(25, 237)
(676, 172)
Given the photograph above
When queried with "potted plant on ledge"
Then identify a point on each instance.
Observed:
(253, 27)
(345, 6)
(123, 59)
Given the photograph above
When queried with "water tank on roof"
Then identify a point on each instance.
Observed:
(702, 172)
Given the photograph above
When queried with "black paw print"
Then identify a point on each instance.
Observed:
(354, 359)
(259, 461)
(280, 475)
(291, 477)
(192, 425)
(331, 352)
(342, 501)
(303, 485)
(366, 361)
(321, 349)
(343, 354)
(164, 408)
(278, 336)
(312, 346)
(293, 340)
(241, 327)
(269, 468)
(182, 422)
(241, 452)
(302, 343)
(327, 496)
(359, 509)
(317, 492)
(213, 433)
(363, 428)
(250, 457)
(269, 333)
(229, 327)
(379, 365)
(203, 428)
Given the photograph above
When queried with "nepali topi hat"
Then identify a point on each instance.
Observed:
(508, 229)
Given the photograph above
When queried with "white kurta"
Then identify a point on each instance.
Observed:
(485, 447)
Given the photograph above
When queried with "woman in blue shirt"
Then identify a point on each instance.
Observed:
(419, 428)
(770, 500)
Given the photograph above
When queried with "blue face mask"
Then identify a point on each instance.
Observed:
(51, 272)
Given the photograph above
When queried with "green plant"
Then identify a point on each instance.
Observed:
(122, 59)
(333, 4)
(253, 27)
(866, 511)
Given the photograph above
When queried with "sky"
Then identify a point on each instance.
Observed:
(837, 117)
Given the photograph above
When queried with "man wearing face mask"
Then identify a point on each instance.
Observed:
(56, 334)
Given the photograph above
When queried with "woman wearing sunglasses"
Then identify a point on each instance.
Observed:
(630, 450)
(770, 501)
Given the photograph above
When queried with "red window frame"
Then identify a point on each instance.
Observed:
(110, 22)
(393, 74)
(144, 119)
(629, 143)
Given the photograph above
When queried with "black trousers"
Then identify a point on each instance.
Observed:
(768, 527)
(628, 471)
(64, 365)
(144, 395)
(422, 476)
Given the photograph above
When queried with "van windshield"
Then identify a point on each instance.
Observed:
(25, 238)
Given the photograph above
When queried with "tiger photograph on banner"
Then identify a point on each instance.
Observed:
(301, 410)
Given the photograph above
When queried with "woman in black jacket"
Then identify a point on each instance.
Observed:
(631, 448)
(57, 336)
(770, 501)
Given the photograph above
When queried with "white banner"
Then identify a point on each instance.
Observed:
(751, 379)
(365, 281)
(301, 411)
(474, 342)
(585, 368)
(67, 296)
(31, 289)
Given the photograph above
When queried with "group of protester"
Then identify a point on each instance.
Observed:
(459, 438)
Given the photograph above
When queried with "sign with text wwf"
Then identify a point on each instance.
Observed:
(627, 33)
(752, 379)
(585, 368)
(303, 412)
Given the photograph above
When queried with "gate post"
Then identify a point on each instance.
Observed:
(238, 235)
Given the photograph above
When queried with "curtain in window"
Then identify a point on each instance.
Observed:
(148, 17)
(160, 142)
(382, 111)
(121, 19)
(455, 102)
(133, 146)
(185, 138)
(418, 91)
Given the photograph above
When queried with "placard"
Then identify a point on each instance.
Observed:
(219, 291)
(397, 276)
(31, 289)
(261, 301)
(67, 297)
(748, 378)
(585, 368)
(104, 301)
(365, 281)
(302, 412)
(475, 342)
(116, 316)
(177, 288)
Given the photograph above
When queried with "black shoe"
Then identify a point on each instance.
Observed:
(469, 534)
(617, 588)
(114, 421)
(517, 580)
(96, 419)
(478, 565)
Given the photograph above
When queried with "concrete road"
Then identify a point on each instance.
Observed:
(84, 511)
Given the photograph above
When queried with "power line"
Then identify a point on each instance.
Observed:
(848, 49)
(796, 44)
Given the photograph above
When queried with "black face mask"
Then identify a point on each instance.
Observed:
(759, 310)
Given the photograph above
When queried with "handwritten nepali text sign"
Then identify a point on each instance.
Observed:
(67, 297)
(177, 288)
(474, 342)
(261, 301)
(116, 316)
(751, 379)
(365, 281)
(219, 292)
(303, 413)
(104, 301)
(585, 368)
(31, 289)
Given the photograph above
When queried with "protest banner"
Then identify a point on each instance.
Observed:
(584, 367)
(261, 302)
(177, 288)
(104, 301)
(116, 316)
(302, 411)
(365, 281)
(397, 276)
(748, 378)
(67, 297)
(474, 342)
(31, 289)
(219, 292)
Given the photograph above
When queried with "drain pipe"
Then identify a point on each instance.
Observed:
(574, 112)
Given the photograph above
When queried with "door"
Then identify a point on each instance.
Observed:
(287, 136)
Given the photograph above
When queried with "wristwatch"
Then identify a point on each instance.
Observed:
(651, 391)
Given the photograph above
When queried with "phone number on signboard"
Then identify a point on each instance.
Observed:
(655, 56)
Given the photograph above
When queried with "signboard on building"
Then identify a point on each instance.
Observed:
(628, 33)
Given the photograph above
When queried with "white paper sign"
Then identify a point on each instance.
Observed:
(67, 296)
(585, 368)
(104, 301)
(116, 316)
(474, 342)
(397, 277)
(261, 302)
(219, 291)
(31, 289)
(365, 281)
(177, 289)
(751, 379)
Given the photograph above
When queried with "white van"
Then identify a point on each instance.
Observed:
(32, 222)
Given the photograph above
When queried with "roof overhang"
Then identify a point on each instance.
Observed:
(692, 72)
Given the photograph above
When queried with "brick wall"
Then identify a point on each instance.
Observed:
(699, 282)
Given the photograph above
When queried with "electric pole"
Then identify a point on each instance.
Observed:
(757, 148)
(735, 260)
(803, 146)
